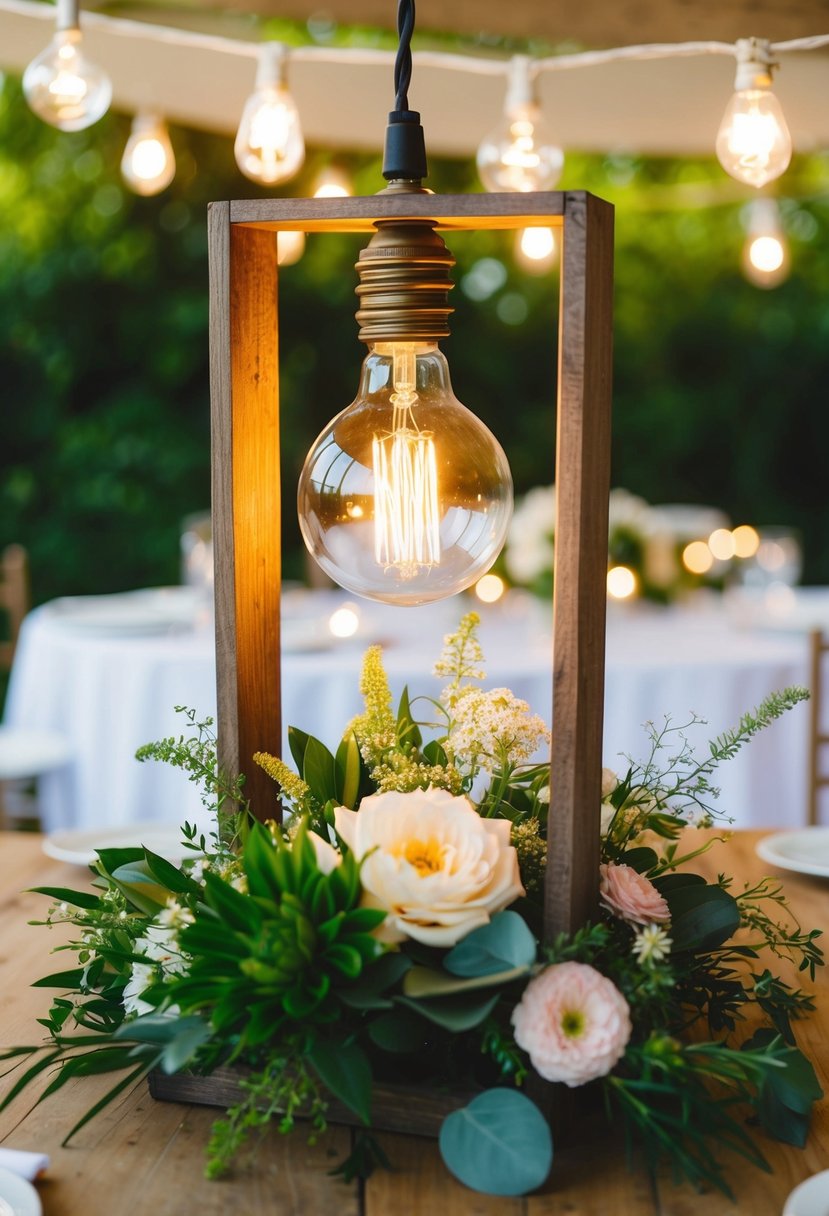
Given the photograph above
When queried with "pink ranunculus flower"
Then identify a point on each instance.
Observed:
(631, 896)
(437, 868)
(573, 1022)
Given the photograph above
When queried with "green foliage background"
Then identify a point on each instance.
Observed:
(720, 388)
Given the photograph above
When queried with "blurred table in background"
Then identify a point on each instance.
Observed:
(108, 672)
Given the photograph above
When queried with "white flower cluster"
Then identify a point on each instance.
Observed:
(160, 948)
(494, 728)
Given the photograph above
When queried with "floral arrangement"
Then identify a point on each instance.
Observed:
(644, 539)
(390, 930)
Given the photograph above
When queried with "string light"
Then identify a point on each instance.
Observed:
(61, 85)
(750, 51)
(621, 582)
(765, 254)
(753, 142)
(290, 247)
(519, 153)
(536, 249)
(269, 145)
(332, 183)
(148, 164)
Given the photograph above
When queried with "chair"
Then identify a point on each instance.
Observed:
(819, 732)
(25, 755)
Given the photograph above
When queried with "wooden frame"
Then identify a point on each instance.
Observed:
(246, 497)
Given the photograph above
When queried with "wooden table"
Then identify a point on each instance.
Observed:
(145, 1158)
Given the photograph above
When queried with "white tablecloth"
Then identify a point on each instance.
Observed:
(110, 693)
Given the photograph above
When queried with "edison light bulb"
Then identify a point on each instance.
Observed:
(269, 146)
(765, 254)
(520, 154)
(61, 85)
(148, 164)
(405, 496)
(753, 142)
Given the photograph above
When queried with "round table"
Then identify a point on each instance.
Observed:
(111, 690)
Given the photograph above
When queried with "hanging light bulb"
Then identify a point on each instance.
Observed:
(269, 146)
(61, 86)
(519, 153)
(332, 183)
(765, 253)
(535, 249)
(405, 496)
(753, 142)
(148, 164)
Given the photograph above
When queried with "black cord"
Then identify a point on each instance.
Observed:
(405, 158)
(403, 62)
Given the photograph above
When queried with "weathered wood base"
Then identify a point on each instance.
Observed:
(412, 1110)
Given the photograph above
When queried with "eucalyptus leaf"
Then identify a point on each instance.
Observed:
(499, 1144)
(458, 1012)
(504, 943)
(426, 982)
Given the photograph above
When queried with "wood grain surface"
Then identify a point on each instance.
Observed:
(146, 1158)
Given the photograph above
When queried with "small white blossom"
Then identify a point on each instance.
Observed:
(174, 916)
(609, 783)
(495, 726)
(160, 949)
(651, 945)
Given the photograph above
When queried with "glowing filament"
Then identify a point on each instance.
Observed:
(406, 513)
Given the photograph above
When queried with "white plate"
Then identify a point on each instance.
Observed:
(19, 1194)
(155, 610)
(78, 846)
(805, 850)
(811, 1198)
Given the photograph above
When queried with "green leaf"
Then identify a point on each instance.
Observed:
(499, 1144)
(504, 943)
(398, 1032)
(170, 876)
(640, 859)
(349, 762)
(671, 882)
(69, 980)
(113, 859)
(78, 899)
(297, 742)
(344, 1069)
(408, 732)
(192, 1034)
(702, 917)
(433, 753)
(319, 770)
(423, 982)
(457, 1013)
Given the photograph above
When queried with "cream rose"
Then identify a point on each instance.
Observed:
(431, 862)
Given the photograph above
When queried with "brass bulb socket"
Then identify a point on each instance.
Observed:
(405, 280)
